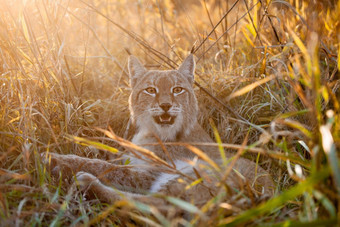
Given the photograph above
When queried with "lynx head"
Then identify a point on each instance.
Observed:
(163, 103)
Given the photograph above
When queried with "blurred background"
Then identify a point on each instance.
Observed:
(267, 72)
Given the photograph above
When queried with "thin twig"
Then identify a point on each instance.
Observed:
(226, 31)
(252, 22)
(213, 30)
(210, 20)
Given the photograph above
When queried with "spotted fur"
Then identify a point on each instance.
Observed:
(163, 107)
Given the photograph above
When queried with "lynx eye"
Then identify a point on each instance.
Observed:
(177, 90)
(151, 90)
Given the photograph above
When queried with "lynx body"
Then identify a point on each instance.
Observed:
(163, 107)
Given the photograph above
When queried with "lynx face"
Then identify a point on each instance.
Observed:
(163, 103)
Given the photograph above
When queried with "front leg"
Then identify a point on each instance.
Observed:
(92, 186)
(120, 176)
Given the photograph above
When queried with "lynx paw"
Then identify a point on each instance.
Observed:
(89, 185)
(85, 179)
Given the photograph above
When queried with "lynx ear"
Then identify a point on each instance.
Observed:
(188, 68)
(136, 69)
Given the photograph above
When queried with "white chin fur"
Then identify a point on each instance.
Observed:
(169, 132)
(166, 132)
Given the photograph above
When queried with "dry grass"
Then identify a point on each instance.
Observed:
(267, 71)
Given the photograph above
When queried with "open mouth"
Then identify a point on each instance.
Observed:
(165, 119)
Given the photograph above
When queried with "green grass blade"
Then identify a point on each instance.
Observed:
(316, 223)
(184, 205)
(277, 201)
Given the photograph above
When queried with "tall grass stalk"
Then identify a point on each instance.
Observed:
(267, 77)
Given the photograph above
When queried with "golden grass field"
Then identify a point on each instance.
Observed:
(267, 77)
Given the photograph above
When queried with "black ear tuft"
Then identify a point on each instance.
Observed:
(136, 69)
(188, 68)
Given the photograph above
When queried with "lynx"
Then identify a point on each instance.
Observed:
(164, 109)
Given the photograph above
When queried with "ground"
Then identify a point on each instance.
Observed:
(267, 77)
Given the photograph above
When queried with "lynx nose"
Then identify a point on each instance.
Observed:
(165, 106)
